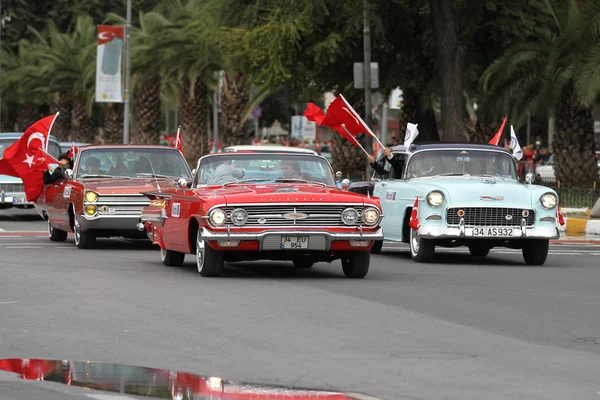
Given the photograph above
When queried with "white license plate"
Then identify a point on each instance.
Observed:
(294, 242)
(492, 232)
(19, 200)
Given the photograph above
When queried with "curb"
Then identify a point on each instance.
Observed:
(580, 226)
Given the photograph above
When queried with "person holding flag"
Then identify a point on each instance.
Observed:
(53, 174)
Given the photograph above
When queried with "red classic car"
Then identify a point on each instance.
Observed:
(102, 198)
(263, 205)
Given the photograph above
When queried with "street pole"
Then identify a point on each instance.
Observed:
(367, 75)
(127, 74)
(215, 121)
(384, 119)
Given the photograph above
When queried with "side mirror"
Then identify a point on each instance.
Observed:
(194, 172)
(338, 175)
(530, 178)
(69, 173)
(345, 184)
(180, 183)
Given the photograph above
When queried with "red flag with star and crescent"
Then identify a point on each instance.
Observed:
(414, 216)
(27, 158)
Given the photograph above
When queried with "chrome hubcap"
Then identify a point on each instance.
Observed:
(163, 254)
(77, 233)
(200, 253)
(50, 229)
(414, 241)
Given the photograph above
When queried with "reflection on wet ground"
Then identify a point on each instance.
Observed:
(154, 383)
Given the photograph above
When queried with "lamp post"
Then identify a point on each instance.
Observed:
(367, 75)
(126, 97)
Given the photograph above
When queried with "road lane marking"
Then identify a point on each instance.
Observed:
(8, 302)
(22, 247)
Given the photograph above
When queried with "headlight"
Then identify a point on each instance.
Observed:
(435, 198)
(350, 216)
(90, 209)
(217, 217)
(548, 201)
(91, 197)
(239, 216)
(370, 216)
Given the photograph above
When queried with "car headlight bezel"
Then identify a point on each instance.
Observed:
(548, 195)
(370, 221)
(90, 196)
(216, 215)
(438, 200)
(350, 216)
(235, 220)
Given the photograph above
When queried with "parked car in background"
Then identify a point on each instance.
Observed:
(468, 195)
(246, 205)
(268, 148)
(103, 198)
(12, 192)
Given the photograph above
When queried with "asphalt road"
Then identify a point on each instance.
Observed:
(459, 328)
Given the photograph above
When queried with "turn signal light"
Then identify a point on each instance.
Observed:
(90, 209)
(228, 243)
(359, 243)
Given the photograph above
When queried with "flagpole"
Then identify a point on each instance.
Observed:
(357, 142)
(50, 130)
(127, 100)
(371, 133)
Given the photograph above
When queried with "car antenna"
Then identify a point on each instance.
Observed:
(155, 177)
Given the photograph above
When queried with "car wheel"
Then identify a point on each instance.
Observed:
(301, 263)
(56, 235)
(84, 239)
(535, 251)
(356, 265)
(479, 250)
(209, 261)
(376, 248)
(171, 258)
(421, 250)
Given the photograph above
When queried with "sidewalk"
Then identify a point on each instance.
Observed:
(580, 226)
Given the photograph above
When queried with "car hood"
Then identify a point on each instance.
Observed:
(126, 185)
(86, 377)
(482, 192)
(283, 192)
(9, 179)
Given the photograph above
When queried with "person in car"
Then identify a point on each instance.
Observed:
(395, 163)
(54, 174)
(92, 166)
(224, 173)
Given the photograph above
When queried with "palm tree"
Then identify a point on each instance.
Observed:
(537, 75)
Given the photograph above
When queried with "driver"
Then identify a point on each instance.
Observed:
(92, 166)
(291, 169)
(224, 173)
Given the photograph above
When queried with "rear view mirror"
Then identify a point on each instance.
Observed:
(69, 173)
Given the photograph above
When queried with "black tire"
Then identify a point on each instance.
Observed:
(356, 265)
(479, 250)
(84, 239)
(304, 264)
(535, 251)
(421, 250)
(171, 258)
(376, 248)
(56, 235)
(208, 261)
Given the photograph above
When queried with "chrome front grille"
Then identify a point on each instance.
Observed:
(12, 188)
(121, 204)
(490, 216)
(273, 215)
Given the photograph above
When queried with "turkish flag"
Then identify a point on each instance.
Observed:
(72, 151)
(340, 112)
(498, 135)
(30, 369)
(27, 158)
(314, 113)
(178, 142)
(561, 219)
(414, 216)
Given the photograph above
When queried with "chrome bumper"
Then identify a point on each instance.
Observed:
(109, 222)
(16, 199)
(462, 232)
(271, 240)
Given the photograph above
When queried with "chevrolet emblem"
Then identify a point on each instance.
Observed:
(295, 215)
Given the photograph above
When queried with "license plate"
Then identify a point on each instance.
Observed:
(492, 232)
(294, 242)
(18, 200)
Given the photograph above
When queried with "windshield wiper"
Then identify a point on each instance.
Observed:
(450, 174)
(141, 174)
(245, 181)
(297, 180)
(98, 176)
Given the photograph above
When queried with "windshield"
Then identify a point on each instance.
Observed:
(264, 167)
(461, 162)
(53, 147)
(132, 163)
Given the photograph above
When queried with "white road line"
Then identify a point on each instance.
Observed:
(22, 247)
(2, 230)
(8, 302)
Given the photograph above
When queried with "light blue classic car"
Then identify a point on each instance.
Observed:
(12, 192)
(468, 195)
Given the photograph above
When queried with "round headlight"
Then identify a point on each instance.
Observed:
(350, 216)
(90, 209)
(548, 200)
(435, 198)
(91, 197)
(239, 216)
(217, 217)
(370, 216)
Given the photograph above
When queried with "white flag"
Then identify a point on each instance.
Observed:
(514, 145)
(411, 134)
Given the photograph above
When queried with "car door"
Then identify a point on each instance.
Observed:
(389, 189)
(57, 198)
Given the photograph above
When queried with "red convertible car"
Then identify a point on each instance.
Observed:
(102, 197)
(263, 205)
